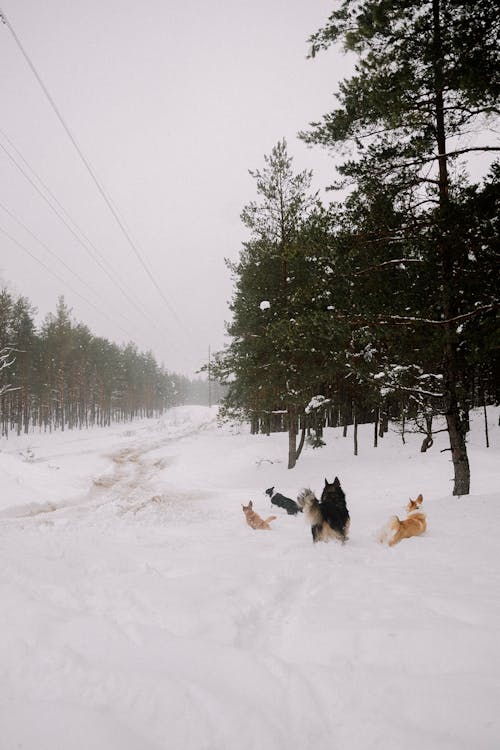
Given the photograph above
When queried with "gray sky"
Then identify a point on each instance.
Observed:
(172, 102)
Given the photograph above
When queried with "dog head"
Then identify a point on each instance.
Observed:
(247, 508)
(414, 504)
(332, 491)
(270, 491)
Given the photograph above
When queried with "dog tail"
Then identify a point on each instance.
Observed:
(389, 530)
(305, 497)
(270, 518)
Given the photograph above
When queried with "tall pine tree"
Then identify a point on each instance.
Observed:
(426, 74)
(263, 366)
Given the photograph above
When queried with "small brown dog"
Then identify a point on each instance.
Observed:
(253, 518)
(414, 525)
(414, 504)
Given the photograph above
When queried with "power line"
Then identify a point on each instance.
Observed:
(53, 253)
(90, 248)
(53, 197)
(60, 279)
(115, 281)
(89, 168)
(94, 255)
(106, 198)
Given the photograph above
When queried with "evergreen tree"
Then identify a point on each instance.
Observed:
(22, 331)
(63, 377)
(263, 366)
(426, 73)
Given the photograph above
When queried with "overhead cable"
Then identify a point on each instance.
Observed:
(89, 168)
(60, 279)
(95, 256)
(53, 254)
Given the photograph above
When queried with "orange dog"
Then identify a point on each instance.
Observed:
(414, 504)
(253, 518)
(414, 525)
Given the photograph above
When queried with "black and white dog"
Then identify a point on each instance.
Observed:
(329, 518)
(281, 501)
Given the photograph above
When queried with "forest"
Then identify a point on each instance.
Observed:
(379, 304)
(62, 377)
(382, 304)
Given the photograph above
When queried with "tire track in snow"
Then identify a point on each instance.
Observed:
(125, 487)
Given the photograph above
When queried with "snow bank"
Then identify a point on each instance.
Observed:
(140, 612)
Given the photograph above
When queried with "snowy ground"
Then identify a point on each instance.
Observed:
(140, 612)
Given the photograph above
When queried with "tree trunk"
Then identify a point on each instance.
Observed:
(292, 437)
(384, 423)
(427, 443)
(453, 416)
(454, 421)
(254, 425)
(301, 443)
(486, 424)
(355, 431)
(460, 459)
(428, 440)
(267, 424)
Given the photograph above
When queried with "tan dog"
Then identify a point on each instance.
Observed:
(414, 504)
(253, 518)
(414, 525)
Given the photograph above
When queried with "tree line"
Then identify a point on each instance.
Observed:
(383, 304)
(63, 377)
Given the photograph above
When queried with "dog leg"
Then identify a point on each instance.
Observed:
(316, 532)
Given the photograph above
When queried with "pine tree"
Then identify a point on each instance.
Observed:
(426, 74)
(263, 365)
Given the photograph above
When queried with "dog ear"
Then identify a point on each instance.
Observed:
(326, 482)
(419, 499)
(250, 504)
(336, 482)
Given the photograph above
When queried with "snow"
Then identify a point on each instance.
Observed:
(140, 612)
(317, 402)
(265, 304)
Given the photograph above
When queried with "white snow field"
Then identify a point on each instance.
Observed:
(138, 611)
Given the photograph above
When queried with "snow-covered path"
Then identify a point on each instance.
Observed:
(139, 612)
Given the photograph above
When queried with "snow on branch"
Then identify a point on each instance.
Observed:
(6, 360)
(387, 387)
(392, 378)
(397, 262)
(402, 320)
(317, 402)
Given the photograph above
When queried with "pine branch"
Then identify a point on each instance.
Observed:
(399, 320)
(388, 263)
(429, 159)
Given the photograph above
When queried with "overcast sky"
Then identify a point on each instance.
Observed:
(171, 102)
